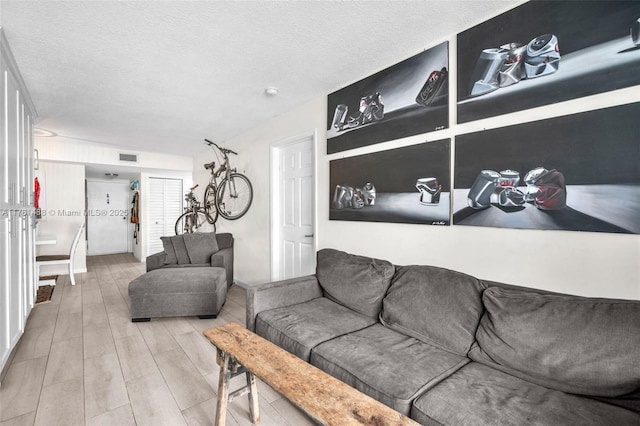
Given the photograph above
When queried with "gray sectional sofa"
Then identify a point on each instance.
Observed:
(446, 348)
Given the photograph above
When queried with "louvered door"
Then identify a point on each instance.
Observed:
(165, 206)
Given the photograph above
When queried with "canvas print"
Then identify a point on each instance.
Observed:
(545, 52)
(405, 99)
(403, 185)
(578, 173)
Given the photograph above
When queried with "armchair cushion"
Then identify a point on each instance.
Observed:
(200, 246)
(181, 250)
(170, 258)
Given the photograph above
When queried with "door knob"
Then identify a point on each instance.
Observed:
(308, 236)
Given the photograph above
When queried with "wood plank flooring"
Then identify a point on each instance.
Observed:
(82, 361)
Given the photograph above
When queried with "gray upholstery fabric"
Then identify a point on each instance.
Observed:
(574, 344)
(224, 259)
(170, 253)
(301, 327)
(155, 261)
(479, 395)
(180, 249)
(200, 246)
(435, 305)
(356, 282)
(389, 366)
(169, 292)
(278, 294)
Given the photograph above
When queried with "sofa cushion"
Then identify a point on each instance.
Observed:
(388, 366)
(573, 344)
(299, 328)
(479, 395)
(201, 246)
(181, 250)
(435, 305)
(170, 258)
(357, 282)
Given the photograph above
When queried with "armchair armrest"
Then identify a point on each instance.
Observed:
(224, 259)
(155, 261)
(278, 294)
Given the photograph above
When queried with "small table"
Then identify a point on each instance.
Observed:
(326, 399)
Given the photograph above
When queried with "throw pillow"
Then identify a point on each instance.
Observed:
(201, 246)
(170, 258)
(180, 249)
(357, 282)
(579, 345)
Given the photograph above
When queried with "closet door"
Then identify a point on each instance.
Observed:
(5, 260)
(165, 206)
(17, 291)
(16, 304)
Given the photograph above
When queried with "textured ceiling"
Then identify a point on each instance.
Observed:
(162, 75)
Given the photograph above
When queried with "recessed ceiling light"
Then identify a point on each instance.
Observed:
(271, 91)
(43, 133)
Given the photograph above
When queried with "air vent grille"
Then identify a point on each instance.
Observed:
(129, 157)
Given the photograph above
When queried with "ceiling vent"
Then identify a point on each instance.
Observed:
(132, 158)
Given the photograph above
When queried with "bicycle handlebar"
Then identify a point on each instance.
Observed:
(194, 187)
(224, 150)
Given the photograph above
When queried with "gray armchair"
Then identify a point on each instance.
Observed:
(195, 250)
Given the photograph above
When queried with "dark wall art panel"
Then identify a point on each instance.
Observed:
(545, 52)
(579, 172)
(405, 99)
(403, 185)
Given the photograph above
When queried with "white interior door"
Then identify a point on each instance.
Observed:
(107, 217)
(294, 208)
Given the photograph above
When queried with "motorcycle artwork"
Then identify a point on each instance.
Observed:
(371, 110)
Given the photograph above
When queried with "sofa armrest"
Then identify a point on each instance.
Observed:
(225, 240)
(155, 261)
(224, 259)
(278, 294)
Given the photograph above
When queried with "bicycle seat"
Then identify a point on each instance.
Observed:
(210, 166)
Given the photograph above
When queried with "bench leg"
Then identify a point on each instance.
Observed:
(254, 406)
(223, 390)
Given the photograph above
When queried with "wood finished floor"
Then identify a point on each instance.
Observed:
(81, 361)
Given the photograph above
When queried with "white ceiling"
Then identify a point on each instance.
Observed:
(162, 75)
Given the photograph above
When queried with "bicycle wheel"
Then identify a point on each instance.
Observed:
(210, 209)
(189, 222)
(234, 196)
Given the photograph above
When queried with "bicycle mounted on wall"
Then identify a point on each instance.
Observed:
(228, 194)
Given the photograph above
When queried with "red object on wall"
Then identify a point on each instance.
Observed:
(36, 193)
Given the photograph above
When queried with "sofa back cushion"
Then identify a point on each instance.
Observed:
(201, 246)
(181, 250)
(574, 344)
(170, 253)
(435, 305)
(357, 282)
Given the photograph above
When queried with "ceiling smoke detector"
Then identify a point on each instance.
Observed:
(271, 91)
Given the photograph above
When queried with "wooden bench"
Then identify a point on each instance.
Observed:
(324, 398)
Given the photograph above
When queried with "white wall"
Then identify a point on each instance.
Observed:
(581, 263)
(63, 192)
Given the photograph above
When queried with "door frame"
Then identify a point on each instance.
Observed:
(276, 196)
